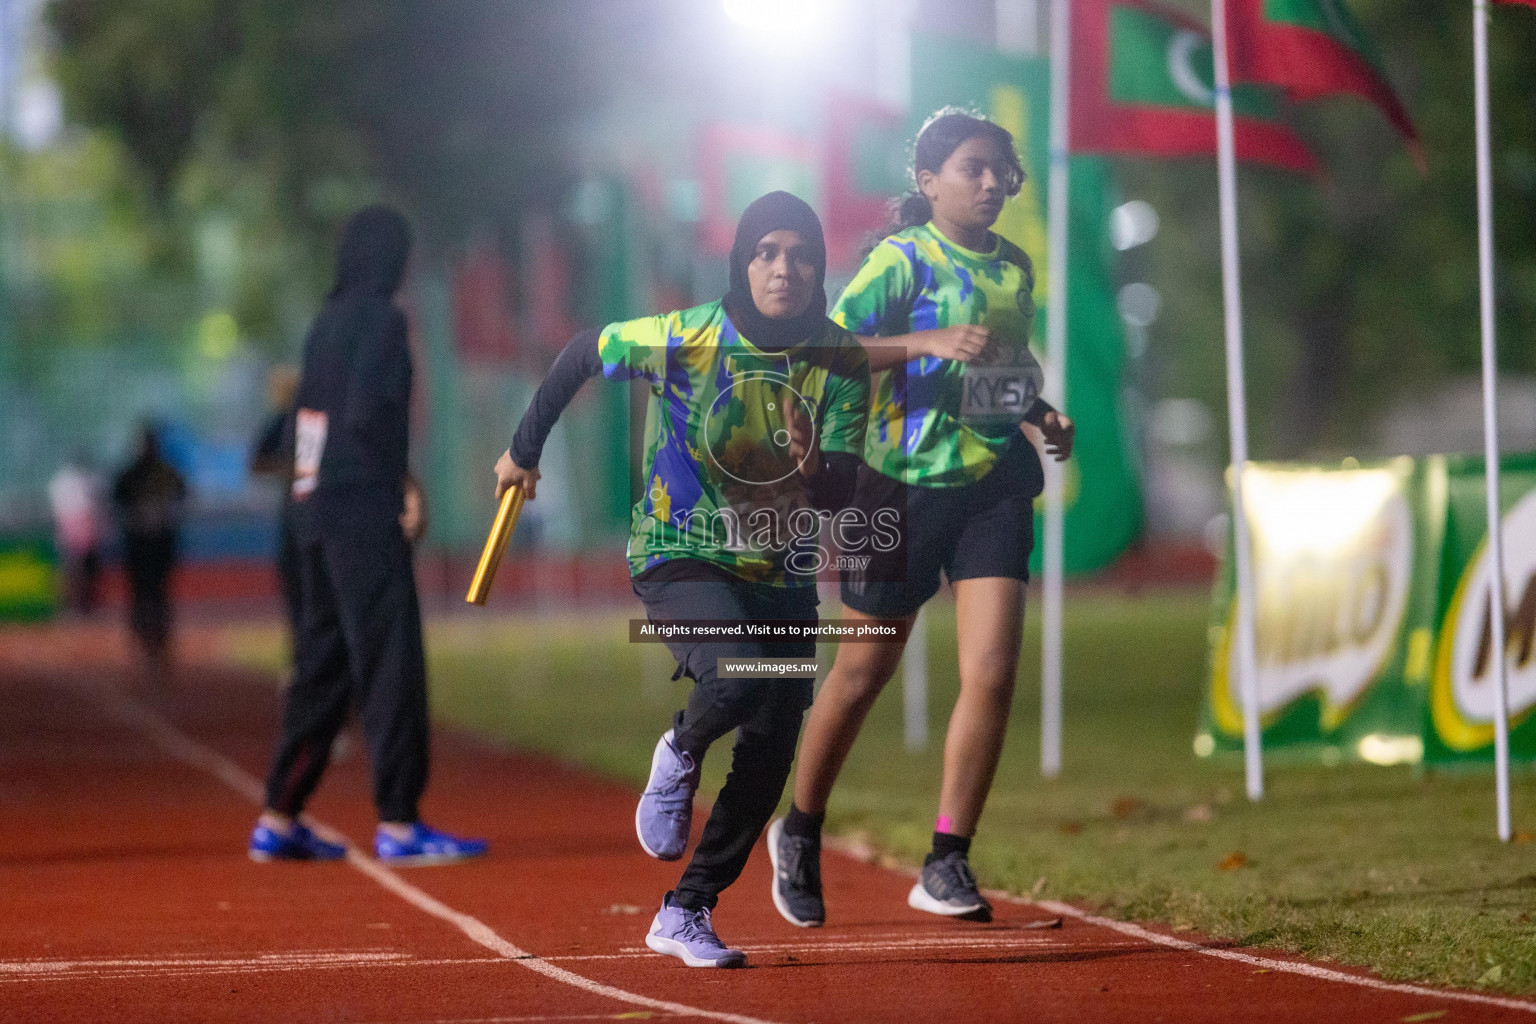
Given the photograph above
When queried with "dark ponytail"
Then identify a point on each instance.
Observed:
(940, 136)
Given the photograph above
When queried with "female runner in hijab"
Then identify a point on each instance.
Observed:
(755, 428)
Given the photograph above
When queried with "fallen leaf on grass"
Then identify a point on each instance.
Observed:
(1415, 1018)
(1493, 974)
(1199, 813)
(1070, 828)
(1038, 887)
(624, 908)
(1233, 861)
(1522, 836)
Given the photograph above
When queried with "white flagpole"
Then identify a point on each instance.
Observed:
(1237, 410)
(914, 685)
(1055, 392)
(1491, 418)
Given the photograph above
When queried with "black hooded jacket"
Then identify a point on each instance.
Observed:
(357, 365)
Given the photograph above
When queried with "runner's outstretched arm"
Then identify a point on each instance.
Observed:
(576, 362)
(519, 464)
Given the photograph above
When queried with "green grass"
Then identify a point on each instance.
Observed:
(1393, 869)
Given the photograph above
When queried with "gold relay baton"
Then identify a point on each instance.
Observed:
(495, 545)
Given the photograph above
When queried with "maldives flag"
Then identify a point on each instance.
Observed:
(1143, 83)
(1312, 48)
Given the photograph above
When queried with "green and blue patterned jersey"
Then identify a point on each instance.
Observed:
(943, 423)
(720, 484)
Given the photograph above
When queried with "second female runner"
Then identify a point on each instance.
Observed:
(945, 306)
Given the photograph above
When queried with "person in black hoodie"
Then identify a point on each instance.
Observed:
(356, 511)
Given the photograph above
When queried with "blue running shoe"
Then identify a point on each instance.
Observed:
(300, 844)
(689, 936)
(666, 807)
(425, 846)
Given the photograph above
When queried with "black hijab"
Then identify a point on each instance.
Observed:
(776, 211)
(373, 252)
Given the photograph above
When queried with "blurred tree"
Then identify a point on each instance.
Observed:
(1360, 285)
(145, 72)
(456, 108)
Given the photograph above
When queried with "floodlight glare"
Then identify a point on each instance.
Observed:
(1140, 303)
(1132, 224)
(778, 17)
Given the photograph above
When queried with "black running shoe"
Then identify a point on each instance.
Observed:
(947, 887)
(796, 877)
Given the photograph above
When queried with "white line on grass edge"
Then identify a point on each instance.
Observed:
(1288, 966)
(861, 853)
(187, 750)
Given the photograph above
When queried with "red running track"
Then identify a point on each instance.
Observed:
(126, 896)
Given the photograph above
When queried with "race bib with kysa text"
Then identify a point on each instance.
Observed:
(1000, 393)
(309, 431)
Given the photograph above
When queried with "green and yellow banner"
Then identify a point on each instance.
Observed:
(28, 579)
(1372, 628)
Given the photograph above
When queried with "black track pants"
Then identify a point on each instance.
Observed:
(765, 712)
(359, 643)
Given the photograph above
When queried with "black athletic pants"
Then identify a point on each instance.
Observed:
(290, 583)
(148, 560)
(359, 643)
(765, 712)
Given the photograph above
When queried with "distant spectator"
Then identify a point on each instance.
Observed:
(74, 494)
(149, 496)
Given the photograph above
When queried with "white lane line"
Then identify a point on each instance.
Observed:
(1267, 963)
(825, 949)
(16, 972)
(319, 956)
(892, 944)
(187, 750)
(549, 1019)
(182, 747)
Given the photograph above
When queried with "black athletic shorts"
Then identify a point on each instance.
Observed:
(969, 532)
